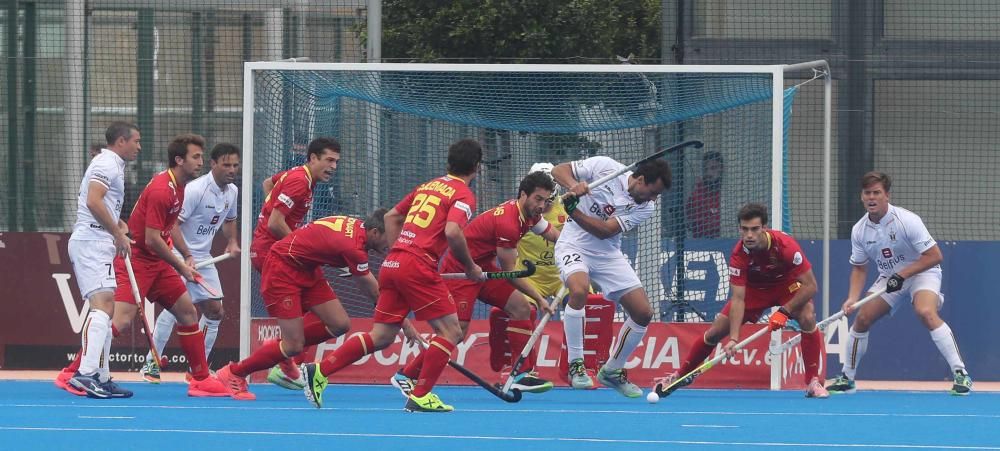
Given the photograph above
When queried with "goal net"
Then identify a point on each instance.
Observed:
(395, 122)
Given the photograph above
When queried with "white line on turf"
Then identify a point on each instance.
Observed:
(516, 411)
(105, 418)
(719, 426)
(522, 439)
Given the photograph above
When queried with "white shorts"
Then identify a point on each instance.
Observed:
(93, 266)
(930, 281)
(611, 271)
(211, 275)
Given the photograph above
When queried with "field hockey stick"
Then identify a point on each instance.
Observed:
(139, 301)
(529, 269)
(822, 325)
(531, 342)
(213, 260)
(607, 178)
(514, 396)
(663, 391)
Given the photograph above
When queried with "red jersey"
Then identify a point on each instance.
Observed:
(292, 196)
(779, 264)
(702, 211)
(503, 226)
(337, 241)
(428, 208)
(158, 206)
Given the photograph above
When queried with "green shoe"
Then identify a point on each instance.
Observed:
(427, 403)
(618, 380)
(151, 373)
(963, 383)
(578, 376)
(842, 385)
(530, 383)
(277, 377)
(316, 383)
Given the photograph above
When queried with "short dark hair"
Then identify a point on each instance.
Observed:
(463, 157)
(376, 220)
(222, 149)
(535, 180)
(711, 155)
(873, 177)
(319, 145)
(178, 147)
(95, 147)
(753, 210)
(654, 169)
(119, 129)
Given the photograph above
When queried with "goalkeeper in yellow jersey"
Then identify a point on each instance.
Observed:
(546, 280)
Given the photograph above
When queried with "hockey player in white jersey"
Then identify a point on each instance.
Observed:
(209, 205)
(908, 259)
(98, 236)
(590, 249)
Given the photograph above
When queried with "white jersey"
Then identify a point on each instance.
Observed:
(893, 243)
(108, 169)
(206, 207)
(610, 200)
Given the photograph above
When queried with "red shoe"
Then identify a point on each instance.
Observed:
(208, 387)
(62, 381)
(237, 386)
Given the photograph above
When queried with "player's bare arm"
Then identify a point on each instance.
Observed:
(276, 224)
(393, 225)
(602, 229)
(95, 202)
(552, 234)
(563, 175)
(178, 238)
(460, 249)
(856, 283)
(155, 243)
(268, 185)
(232, 239)
(508, 262)
(369, 286)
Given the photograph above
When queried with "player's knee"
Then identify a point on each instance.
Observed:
(339, 327)
(927, 314)
(642, 317)
(518, 309)
(185, 313)
(862, 323)
(292, 346)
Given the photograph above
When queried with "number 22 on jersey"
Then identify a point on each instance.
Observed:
(423, 209)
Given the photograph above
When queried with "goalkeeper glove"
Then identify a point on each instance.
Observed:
(570, 203)
(895, 283)
(778, 319)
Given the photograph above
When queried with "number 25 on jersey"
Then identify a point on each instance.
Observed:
(423, 209)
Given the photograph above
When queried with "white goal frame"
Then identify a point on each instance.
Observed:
(820, 67)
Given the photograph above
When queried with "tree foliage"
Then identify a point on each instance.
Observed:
(486, 31)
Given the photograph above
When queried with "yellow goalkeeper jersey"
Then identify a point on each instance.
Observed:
(541, 252)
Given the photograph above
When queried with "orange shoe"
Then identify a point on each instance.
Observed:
(62, 381)
(208, 387)
(290, 369)
(237, 386)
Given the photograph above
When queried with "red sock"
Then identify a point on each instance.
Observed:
(354, 348)
(315, 333)
(412, 369)
(696, 356)
(193, 344)
(519, 332)
(437, 356)
(812, 345)
(114, 331)
(266, 356)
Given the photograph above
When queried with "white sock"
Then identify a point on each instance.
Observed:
(856, 346)
(104, 369)
(210, 327)
(573, 321)
(946, 343)
(629, 338)
(161, 332)
(95, 333)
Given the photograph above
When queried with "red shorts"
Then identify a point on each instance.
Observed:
(158, 281)
(408, 283)
(289, 292)
(465, 292)
(757, 300)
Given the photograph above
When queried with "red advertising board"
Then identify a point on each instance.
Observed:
(660, 353)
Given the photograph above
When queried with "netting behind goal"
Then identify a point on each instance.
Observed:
(395, 128)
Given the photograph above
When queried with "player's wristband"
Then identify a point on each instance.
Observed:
(784, 312)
